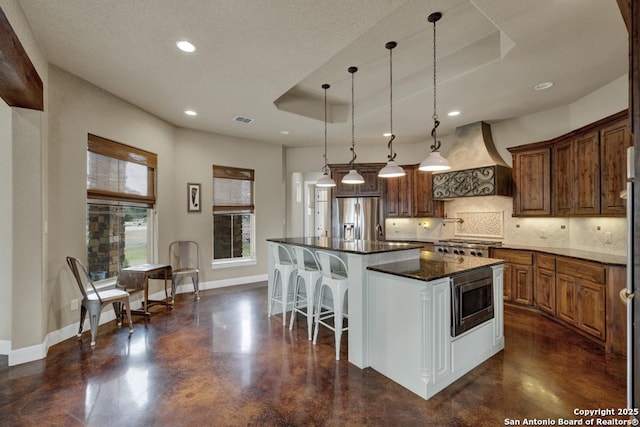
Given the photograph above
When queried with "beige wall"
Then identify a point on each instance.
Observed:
(77, 108)
(195, 154)
(6, 224)
(28, 156)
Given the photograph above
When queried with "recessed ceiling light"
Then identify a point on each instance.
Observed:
(386, 134)
(185, 46)
(284, 132)
(543, 85)
(190, 113)
(453, 113)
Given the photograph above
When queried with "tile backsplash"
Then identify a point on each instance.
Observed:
(484, 216)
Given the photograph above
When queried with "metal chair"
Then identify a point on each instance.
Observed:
(309, 273)
(94, 301)
(284, 269)
(184, 257)
(335, 278)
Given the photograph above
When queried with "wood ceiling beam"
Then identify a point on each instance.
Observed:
(625, 11)
(20, 84)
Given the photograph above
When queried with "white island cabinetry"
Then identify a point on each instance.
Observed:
(410, 338)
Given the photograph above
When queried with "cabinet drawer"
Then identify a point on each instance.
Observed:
(514, 257)
(548, 262)
(581, 269)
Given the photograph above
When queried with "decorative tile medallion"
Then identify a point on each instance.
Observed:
(480, 224)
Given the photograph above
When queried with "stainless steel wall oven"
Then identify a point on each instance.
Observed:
(471, 299)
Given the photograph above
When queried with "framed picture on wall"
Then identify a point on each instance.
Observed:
(193, 197)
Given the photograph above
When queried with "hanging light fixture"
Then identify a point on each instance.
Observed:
(325, 180)
(353, 177)
(391, 170)
(435, 162)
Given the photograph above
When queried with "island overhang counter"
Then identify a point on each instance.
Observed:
(358, 255)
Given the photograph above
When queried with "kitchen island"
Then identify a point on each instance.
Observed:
(358, 255)
(423, 333)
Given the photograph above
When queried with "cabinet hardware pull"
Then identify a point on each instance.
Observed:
(625, 296)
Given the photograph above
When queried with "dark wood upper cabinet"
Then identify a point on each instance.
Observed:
(398, 199)
(531, 180)
(587, 174)
(411, 195)
(614, 141)
(563, 181)
(423, 203)
(372, 184)
(578, 174)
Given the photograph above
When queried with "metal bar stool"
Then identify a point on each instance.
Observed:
(335, 278)
(309, 273)
(284, 269)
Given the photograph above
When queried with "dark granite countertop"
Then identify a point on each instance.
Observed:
(608, 259)
(362, 247)
(433, 265)
(603, 258)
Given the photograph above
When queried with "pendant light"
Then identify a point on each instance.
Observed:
(325, 181)
(435, 162)
(353, 177)
(391, 170)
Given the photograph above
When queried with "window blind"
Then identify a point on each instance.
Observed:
(232, 189)
(120, 174)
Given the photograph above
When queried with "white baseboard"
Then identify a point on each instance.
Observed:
(5, 347)
(187, 286)
(39, 351)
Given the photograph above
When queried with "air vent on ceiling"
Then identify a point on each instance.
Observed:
(242, 119)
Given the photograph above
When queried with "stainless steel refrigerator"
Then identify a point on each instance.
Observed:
(357, 218)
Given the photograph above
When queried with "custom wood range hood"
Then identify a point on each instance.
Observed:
(479, 169)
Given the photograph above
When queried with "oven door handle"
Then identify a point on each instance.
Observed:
(455, 301)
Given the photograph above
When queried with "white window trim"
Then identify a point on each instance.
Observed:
(228, 263)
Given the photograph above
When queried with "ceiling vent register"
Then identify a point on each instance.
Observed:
(492, 180)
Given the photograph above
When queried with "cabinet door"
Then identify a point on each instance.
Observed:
(342, 190)
(508, 282)
(614, 141)
(423, 203)
(532, 178)
(398, 195)
(369, 171)
(590, 307)
(545, 295)
(566, 298)
(522, 284)
(587, 175)
(372, 185)
(563, 179)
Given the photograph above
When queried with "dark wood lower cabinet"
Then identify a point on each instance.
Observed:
(545, 290)
(522, 284)
(590, 308)
(566, 298)
(581, 294)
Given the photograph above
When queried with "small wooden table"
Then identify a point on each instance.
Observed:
(137, 278)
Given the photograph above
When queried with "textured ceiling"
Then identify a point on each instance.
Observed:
(267, 59)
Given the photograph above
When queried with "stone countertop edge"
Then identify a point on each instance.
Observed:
(606, 259)
(360, 247)
(603, 258)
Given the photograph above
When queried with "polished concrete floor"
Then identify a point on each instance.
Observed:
(222, 362)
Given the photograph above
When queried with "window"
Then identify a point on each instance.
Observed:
(120, 196)
(233, 216)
